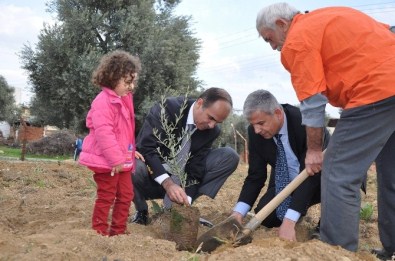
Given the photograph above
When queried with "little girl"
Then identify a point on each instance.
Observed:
(109, 148)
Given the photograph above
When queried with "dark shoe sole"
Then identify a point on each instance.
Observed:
(383, 254)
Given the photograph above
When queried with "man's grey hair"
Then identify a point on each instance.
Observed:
(261, 101)
(268, 15)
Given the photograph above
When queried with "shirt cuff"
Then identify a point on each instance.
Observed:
(292, 215)
(242, 208)
(161, 178)
(313, 111)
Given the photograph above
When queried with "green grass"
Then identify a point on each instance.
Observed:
(41, 183)
(16, 153)
(366, 212)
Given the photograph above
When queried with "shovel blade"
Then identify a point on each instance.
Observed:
(243, 238)
(224, 232)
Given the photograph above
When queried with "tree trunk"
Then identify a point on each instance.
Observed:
(23, 128)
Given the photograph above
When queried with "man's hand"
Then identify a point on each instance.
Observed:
(287, 230)
(314, 156)
(238, 217)
(313, 161)
(175, 192)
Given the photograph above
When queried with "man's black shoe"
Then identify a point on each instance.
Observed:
(140, 217)
(382, 254)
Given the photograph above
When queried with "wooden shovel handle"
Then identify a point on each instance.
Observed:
(273, 204)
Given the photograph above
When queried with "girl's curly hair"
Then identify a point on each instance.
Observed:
(113, 66)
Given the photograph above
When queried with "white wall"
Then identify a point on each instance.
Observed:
(5, 129)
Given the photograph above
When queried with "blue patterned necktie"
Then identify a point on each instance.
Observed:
(281, 177)
(182, 158)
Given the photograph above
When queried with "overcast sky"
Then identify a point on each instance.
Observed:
(232, 55)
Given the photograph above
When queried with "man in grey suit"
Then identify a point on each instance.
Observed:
(208, 168)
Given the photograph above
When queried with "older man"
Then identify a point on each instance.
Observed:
(342, 56)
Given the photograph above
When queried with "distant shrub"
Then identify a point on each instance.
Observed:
(60, 143)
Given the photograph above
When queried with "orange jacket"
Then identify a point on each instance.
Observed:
(342, 53)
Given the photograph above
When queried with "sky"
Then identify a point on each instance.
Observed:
(232, 56)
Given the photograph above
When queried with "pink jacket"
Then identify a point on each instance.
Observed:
(111, 132)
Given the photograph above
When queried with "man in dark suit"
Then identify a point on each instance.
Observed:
(206, 167)
(268, 118)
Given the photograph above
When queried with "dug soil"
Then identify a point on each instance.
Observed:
(46, 207)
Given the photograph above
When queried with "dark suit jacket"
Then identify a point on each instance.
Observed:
(262, 152)
(201, 141)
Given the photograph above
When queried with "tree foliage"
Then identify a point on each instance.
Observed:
(227, 137)
(61, 64)
(8, 109)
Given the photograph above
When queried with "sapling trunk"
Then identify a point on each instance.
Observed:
(183, 220)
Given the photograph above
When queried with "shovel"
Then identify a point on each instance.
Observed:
(231, 231)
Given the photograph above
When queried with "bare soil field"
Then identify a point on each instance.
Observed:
(45, 214)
